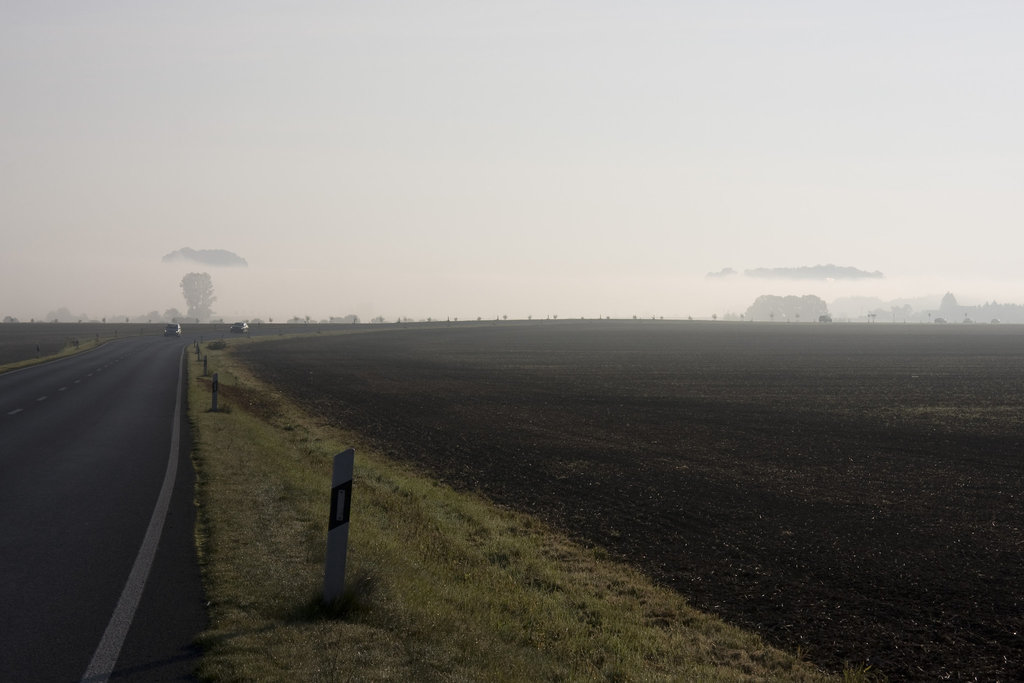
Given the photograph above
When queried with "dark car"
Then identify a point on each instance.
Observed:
(240, 327)
(172, 330)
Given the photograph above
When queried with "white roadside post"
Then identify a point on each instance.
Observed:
(337, 527)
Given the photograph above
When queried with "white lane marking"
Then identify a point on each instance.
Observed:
(109, 649)
(40, 399)
(63, 389)
(78, 381)
(15, 411)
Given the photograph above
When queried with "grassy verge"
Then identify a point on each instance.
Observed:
(440, 585)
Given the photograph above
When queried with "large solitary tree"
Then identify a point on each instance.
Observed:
(198, 291)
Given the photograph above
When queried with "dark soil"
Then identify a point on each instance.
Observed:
(24, 341)
(856, 491)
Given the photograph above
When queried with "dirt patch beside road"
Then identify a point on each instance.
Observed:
(852, 490)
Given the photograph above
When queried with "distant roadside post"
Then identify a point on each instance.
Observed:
(337, 526)
(215, 387)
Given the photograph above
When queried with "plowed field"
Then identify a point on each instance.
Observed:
(853, 490)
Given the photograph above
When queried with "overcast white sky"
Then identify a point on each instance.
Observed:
(470, 159)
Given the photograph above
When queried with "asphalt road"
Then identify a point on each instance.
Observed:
(98, 572)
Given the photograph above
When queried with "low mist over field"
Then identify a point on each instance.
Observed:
(519, 159)
(119, 290)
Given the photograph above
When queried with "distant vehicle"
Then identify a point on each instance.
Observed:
(172, 330)
(940, 321)
(824, 318)
(240, 327)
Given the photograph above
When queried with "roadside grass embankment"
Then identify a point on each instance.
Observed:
(440, 585)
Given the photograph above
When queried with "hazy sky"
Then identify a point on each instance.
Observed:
(477, 158)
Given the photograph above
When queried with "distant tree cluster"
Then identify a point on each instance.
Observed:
(808, 308)
(171, 315)
(951, 311)
(350, 319)
(198, 291)
(63, 315)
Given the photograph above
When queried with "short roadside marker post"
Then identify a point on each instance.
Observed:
(337, 526)
(215, 383)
